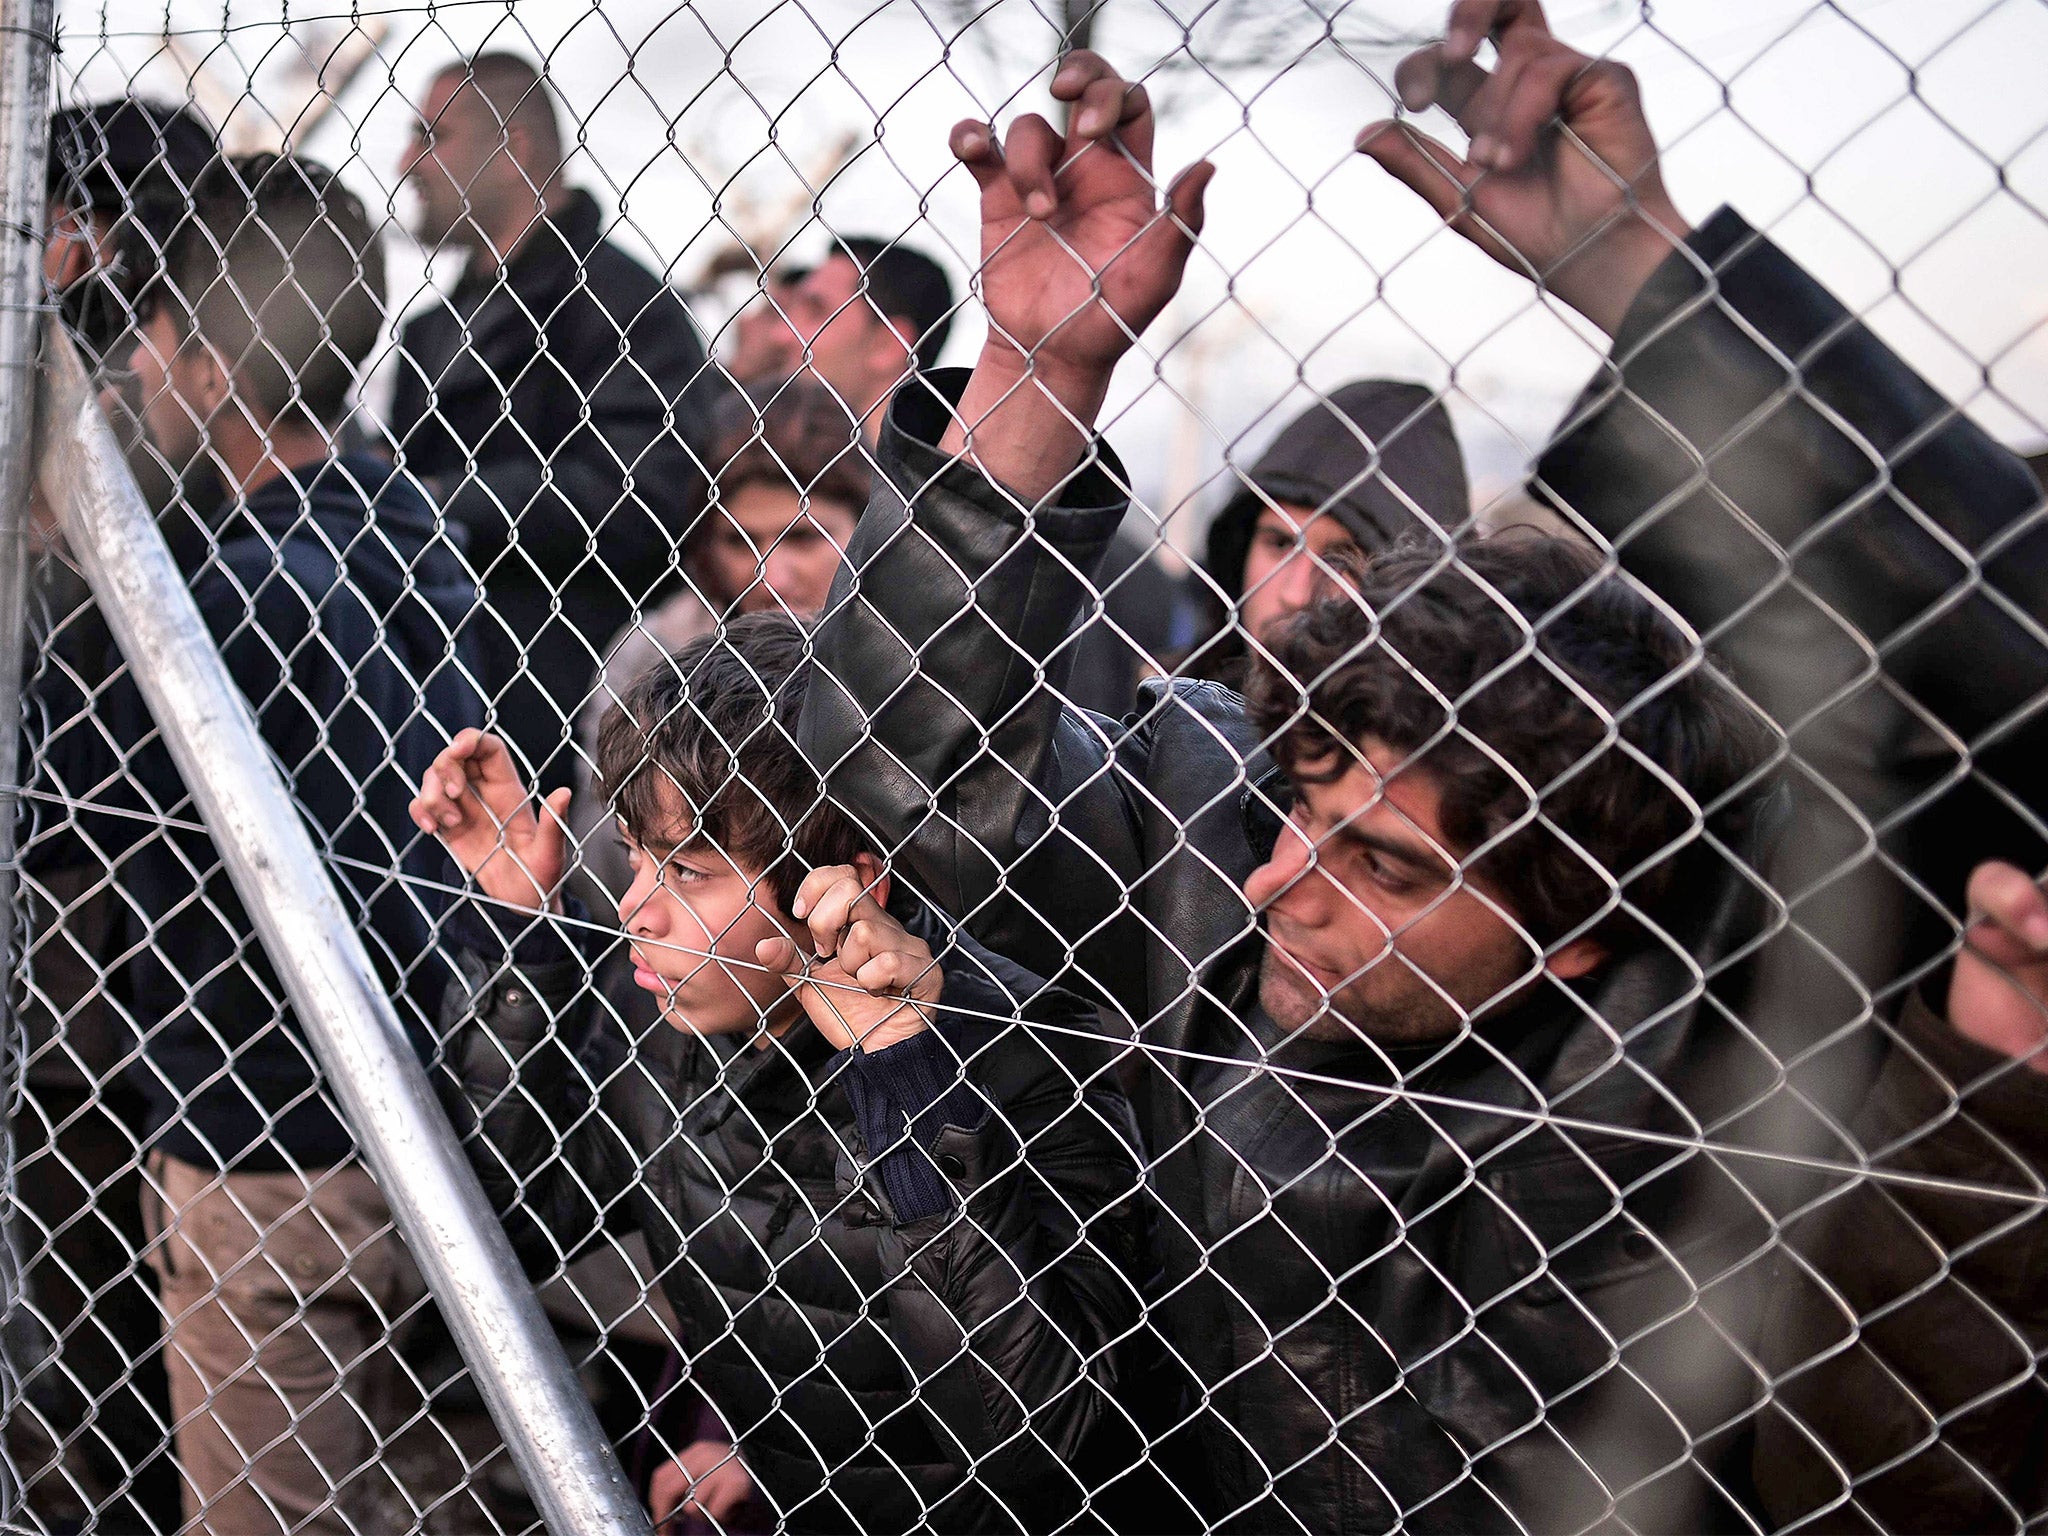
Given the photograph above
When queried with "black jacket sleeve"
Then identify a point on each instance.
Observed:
(938, 715)
(1854, 548)
(1013, 1304)
(521, 1083)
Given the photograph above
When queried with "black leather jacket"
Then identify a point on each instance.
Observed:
(1392, 1308)
(877, 1374)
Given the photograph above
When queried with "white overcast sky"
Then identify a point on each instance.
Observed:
(1897, 147)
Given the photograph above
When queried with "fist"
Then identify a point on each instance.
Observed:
(868, 981)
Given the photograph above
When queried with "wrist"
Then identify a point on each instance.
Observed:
(905, 1024)
(1078, 388)
(1602, 280)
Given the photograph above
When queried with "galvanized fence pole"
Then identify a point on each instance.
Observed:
(27, 37)
(534, 1395)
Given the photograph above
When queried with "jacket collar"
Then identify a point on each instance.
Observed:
(776, 1080)
(557, 243)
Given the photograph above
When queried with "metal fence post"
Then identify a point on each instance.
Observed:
(534, 1395)
(27, 37)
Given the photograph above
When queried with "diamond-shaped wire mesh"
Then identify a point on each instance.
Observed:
(1385, 883)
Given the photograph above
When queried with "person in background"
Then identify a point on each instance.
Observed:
(790, 484)
(555, 398)
(1374, 462)
(869, 316)
(119, 175)
(280, 1272)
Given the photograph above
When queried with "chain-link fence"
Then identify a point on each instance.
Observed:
(1342, 841)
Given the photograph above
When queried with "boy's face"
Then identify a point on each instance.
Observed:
(694, 919)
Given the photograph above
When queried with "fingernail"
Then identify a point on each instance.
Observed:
(1089, 123)
(971, 142)
(1415, 98)
(799, 907)
(1485, 150)
(2035, 931)
(1040, 205)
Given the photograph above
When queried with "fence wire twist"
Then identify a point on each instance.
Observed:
(1379, 877)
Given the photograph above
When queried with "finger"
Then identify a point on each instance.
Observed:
(1031, 153)
(895, 970)
(816, 884)
(1428, 169)
(874, 932)
(557, 803)
(832, 914)
(1473, 21)
(1427, 79)
(1078, 71)
(2005, 896)
(1185, 197)
(974, 146)
(1538, 97)
(781, 956)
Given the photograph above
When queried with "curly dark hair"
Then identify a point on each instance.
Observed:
(716, 721)
(1561, 678)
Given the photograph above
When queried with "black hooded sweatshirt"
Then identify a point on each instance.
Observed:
(1373, 454)
(335, 601)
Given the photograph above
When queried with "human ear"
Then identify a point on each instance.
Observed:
(1578, 958)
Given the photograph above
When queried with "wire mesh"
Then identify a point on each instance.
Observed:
(1379, 878)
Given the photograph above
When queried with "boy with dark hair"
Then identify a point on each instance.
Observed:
(900, 1233)
(335, 602)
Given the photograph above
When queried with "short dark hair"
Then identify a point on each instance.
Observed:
(1559, 675)
(795, 433)
(905, 284)
(716, 721)
(280, 270)
(129, 156)
(517, 92)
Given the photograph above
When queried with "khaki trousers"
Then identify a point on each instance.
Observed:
(280, 1293)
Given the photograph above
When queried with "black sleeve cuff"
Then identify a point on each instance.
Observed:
(903, 1098)
(1088, 507)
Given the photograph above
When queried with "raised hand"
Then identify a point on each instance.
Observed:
(472, 798)
(1560, 182)
(868, 975)
(706, 1475)
(1078, 256)
(1998, 996)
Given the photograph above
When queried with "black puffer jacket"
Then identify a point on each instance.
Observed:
(1392, 1316)
(831, 1336)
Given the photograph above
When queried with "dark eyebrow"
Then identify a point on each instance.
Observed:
(1423, 858)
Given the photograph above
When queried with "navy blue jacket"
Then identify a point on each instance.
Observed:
(337, 606)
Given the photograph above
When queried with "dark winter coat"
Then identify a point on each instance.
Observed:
(1391, 1313)
(1905, 1340)
(559, 407)
(333, 598)
(876, 1360)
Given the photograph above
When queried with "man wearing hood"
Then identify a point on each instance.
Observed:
(1373, 462)
(337, 605)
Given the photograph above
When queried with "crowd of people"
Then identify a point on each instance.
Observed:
(1409, 1028)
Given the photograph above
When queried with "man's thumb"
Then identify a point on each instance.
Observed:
(1428, 169)
(780, 956)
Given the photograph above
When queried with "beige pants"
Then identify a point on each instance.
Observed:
(280, 1292)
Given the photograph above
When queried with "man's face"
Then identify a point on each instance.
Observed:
(456, 160)
(694, 919)
(179, 387)
(852, 348)
(1368, 932)
(762, 345)
(1289, 564)
(769, 552)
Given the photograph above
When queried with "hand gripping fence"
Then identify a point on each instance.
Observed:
(1380, 878)
(549, 1427)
